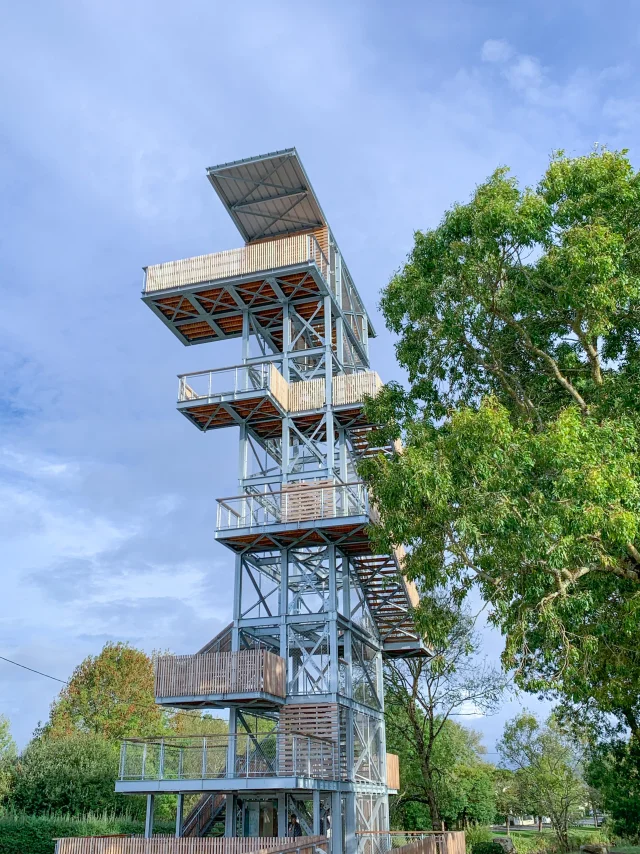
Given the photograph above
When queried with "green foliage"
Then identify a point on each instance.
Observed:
(549, 774)
(486, 848)
(7, 757)
(70, 775)
(475, 835)
(614, 770)
(111, 694)
(442, 774)
(518, 320)
(21, 832)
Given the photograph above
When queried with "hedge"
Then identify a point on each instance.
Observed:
(26, 834)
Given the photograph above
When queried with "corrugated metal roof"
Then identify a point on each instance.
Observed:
(267, 195)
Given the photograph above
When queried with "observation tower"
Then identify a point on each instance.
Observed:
(315, 610)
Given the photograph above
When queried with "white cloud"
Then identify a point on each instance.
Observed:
(496, 50)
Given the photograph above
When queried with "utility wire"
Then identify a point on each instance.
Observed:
(65, 682)
(39, 672)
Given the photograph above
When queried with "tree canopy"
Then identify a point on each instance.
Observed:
(442, 771)
(518, 323)
(549, 772)
(110, 694)
(73, 775)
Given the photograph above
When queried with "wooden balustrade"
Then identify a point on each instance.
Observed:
(393, 771)
(248, 671)
(253, 258)
(202, 845)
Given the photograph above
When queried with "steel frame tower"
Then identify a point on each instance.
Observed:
(314, 610)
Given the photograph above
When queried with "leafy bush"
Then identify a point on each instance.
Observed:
(475, 835)
(72, 775)
(486, 848)
(21, 833)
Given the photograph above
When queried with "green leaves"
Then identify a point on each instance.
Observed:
(519, 325)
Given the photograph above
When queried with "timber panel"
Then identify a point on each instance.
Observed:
(171, 845)
(247, 671)
(302, 501)
(393, 771)
(320, 721)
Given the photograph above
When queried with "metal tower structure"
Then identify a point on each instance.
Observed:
(315, 611)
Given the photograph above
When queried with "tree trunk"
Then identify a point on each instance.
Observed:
(539, 824)
(507, 824)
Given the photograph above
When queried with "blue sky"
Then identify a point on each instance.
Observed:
(111, 112)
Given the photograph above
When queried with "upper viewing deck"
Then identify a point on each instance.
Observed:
(290, 256)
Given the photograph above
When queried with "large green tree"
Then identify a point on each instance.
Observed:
(110, 694)
(614, 773)
(518, 323)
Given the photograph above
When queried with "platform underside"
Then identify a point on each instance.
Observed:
(257, 701)
(213, 310)
(263, 413)
(349, 533)
(237, 785)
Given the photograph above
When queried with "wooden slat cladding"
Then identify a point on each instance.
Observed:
(304, 501)
(203, 845)
(279, 387)
(320, 720)
(252, 258)
(393, 771)
(353, 388)
(320, 755)
(306, 395)
(247, 671)
(450, 842)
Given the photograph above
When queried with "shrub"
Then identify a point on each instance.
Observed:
(486, 848)
(73, 775)
(475, 835)
(21, 833)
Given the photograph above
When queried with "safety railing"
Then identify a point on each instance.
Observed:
(247, 671)
(227, 382)
(411, 842)
(295, 503)
(244, 755)
(253, 258)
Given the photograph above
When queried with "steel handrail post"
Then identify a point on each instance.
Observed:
(308, 757)
(204, 757)
(161, 768)
(246, 760)
(144, 760)
(123, 753)
(180, 762)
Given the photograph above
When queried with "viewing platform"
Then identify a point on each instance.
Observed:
(258, 394)
(315, 513)
(252, 678)
(204, 298)
(261, 760)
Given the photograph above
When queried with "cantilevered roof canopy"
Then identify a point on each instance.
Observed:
(268, 195)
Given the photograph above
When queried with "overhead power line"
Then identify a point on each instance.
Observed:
(39, 672)
(65, 682)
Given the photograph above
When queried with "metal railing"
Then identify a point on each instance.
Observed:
(253, 258)
(269, 754)
(293, 504)
(223, 381)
